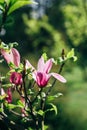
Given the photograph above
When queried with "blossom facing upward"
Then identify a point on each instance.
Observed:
(11, 56)
(16, 78)
(42, 75)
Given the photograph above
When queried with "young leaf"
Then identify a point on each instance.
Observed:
(20, 104)
(17, 4)
(53, 108)
(10, 106)
(44, 55)
(7, 85)
(51, 98)
(70, 54)
(40, 112)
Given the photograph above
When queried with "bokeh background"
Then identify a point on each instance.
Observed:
(49, 27)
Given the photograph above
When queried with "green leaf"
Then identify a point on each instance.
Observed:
(10, 106)
(40, 112)
(20, 104)
(7, 85)
(53, 108)
(2, 97)
(51, 98)
(74, 58)
(13, 44)
(71, 54)
(19, 3)
(46, 127)
(1, 109)
(44, 55)
(1, 7)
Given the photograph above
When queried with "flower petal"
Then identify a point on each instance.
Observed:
(42, 79)
(40, 65)
(58, 77)
(9, 95)
(16, 57)
(28, 65)
(7, 55)
(48, 66)
(12, 56)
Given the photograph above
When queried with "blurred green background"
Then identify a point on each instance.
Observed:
(49, 27)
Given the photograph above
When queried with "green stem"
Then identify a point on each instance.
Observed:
(42, 125)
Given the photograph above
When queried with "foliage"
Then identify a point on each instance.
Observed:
(29, 83)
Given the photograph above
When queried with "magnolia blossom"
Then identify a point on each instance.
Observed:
(16, 78)
(42, 75)
(14, 57)
(11, 56)
(9, 95)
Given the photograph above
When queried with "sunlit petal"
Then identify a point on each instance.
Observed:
(58, 77)
(40, 66)
(48, 66)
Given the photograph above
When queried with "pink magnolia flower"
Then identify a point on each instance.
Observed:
(16, 78)
(9, 95)
(12, 56)
(42, 75)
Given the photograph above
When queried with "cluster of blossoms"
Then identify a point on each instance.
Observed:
(40, 76)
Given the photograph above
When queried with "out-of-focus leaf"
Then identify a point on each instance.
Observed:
(7, 85)
(46, 127)
(1, 7)
(53, 108)
(51, 98)
(10, 106)
(45, 56)
(20, 104)
(71, 54)
(40, 112)
(19, 3)
(1, 110)
(2, 97)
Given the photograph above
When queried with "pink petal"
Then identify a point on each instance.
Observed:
(7, 55)
(16, 57)
(9, 95)
(42, 79)
(2, 91)
(58, 77)
(16, 78)
(40, 65)
(12, 56)
(48, 66)
(28, 65)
